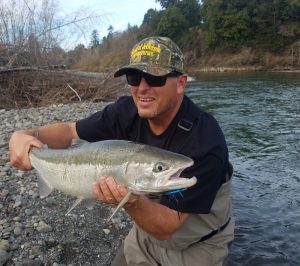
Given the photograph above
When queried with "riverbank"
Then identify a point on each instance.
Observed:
(246, 60)
(241, 69)
(37, 232)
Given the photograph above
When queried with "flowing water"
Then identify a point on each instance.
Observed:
(260, 117)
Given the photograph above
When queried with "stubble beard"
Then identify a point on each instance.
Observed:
(157, 114)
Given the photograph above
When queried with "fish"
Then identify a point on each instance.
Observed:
(143, 169)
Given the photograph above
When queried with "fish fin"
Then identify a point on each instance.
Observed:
(77, 143)
(120, 205)
(77, 201)
(88, 203)
(44, 188)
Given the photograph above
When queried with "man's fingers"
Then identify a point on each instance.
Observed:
(19, 147)
(36, 143)
(97, 191)
(107, 190)
(113, 187)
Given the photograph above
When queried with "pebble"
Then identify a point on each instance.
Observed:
(4, 193)
(106, 231)
(4, 256)
(18, 231)
(4, 244)
(42, 227)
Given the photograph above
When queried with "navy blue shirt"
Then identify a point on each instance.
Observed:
(204, 143)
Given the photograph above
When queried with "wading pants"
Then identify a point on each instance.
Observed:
(192, 245)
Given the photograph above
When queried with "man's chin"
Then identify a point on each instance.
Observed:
(147, 115)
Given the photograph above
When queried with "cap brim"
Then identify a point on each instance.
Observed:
(151, 69)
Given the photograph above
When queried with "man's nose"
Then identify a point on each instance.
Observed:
(144, 85)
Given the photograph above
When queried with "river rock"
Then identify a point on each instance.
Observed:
(4, 244)
(18, 231)
(43, 227)
(4, 256)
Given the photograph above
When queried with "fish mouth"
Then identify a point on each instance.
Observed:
(168, 181)
(175, 181)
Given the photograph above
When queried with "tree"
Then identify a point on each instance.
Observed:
(173, 24)
(190, 9)
(235, 27)
(94, 39)
(212, 16)
(152, 18)
(110, 31)
(38, 26)
(167, 3)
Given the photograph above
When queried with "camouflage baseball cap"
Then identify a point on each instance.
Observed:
(157, 56)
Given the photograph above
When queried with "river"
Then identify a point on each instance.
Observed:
(260, 117)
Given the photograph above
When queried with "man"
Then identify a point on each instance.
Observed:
(193, 227)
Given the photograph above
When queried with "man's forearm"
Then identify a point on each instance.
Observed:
(156, 219)
(57, 135)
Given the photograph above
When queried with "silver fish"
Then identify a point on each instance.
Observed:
(143, 169)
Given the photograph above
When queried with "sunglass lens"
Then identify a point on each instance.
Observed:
(134, 79)
(154, 81)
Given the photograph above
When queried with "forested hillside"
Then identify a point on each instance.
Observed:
(262, 34)
(228, 34)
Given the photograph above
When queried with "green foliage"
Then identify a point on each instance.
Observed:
(152, 18)
(94, 39)
(173, 24)
(166, 3)
(212, 16)
(234, 23)
(190, 9)
(235, 29)
(175, 20)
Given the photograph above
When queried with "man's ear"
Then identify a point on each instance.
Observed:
(181, 83)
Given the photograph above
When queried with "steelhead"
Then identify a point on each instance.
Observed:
(142, 168)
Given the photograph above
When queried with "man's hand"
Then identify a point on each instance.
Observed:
(152, 217)
(110, 192)
(56, 136)
(19, 146)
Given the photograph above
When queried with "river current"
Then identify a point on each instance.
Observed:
(260, 117)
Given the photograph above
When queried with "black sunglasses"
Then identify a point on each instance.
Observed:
(134, 78)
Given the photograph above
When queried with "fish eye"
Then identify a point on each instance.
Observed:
(159, 167)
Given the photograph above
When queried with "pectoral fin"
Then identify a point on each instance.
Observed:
(88, 203)
(44, 187)
(120, 205)
(78, 201)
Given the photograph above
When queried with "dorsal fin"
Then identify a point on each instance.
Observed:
(77, 143)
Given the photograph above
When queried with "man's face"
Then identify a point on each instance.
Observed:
(159, 102)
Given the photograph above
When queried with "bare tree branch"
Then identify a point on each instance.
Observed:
(74, 91)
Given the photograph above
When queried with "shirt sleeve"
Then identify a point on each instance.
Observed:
(112, 122)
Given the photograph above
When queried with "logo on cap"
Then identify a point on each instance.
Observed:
(144, 49)
(156, 56)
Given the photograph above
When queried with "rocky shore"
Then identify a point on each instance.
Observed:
(37, 232)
